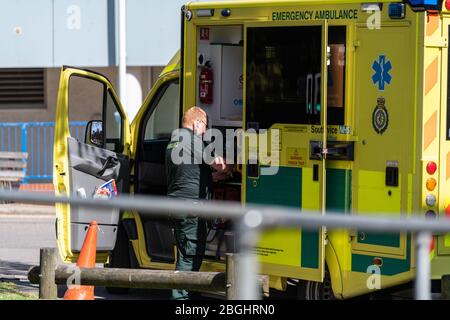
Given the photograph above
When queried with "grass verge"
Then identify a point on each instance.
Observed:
(10, 291)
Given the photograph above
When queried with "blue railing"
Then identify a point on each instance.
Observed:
(36, 138)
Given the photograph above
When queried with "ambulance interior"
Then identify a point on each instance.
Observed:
(282, 86)
(224, 51)
(221, 49)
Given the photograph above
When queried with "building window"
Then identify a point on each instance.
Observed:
(22, 88)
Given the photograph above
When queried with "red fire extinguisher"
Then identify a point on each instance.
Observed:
(206, 84)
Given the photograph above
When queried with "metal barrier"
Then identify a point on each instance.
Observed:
(36, 138)
(253, 218)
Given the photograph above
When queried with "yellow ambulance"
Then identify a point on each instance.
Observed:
(357, 95)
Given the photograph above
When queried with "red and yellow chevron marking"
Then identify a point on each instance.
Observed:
(433, 21)
(430, 131)
(431, 102)
(432, 246)
(447, 215)
(432, 75)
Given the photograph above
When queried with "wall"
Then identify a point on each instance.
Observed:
(146, 76)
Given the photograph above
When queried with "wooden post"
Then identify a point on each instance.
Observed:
(232, 276)
(445, 287)
(47, 287)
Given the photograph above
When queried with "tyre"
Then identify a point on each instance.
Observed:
(311, 290)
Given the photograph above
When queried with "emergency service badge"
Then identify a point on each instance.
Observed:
(380, 116)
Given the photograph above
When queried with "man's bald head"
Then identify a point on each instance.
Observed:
(193, 115)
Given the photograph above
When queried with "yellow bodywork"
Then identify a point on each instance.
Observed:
(61, 178)
(417, 104)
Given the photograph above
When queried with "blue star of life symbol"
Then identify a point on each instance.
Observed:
(382, 69)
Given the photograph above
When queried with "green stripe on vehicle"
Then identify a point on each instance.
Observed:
(390, 267)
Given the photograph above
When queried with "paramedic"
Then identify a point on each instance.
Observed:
(189, 177)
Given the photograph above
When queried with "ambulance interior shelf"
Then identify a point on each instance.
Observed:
(220, 78)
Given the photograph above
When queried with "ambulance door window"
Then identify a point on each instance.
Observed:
(85, 103)
(113, 125)
(164, 115)
(161, 119)
(336, 75)
(283, 75)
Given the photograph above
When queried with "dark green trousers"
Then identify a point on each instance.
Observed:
(190, 236)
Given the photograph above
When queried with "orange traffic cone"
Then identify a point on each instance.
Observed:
(86, 259)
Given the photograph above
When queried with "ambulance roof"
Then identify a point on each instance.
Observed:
(267, 3)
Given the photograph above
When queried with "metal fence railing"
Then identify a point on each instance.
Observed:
(35, 138)
(254, 218)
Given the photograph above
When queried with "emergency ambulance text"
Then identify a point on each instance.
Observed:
(315, 15)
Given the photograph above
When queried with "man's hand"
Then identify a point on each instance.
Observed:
(219, 164)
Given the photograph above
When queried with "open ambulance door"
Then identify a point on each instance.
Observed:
(383, 168)
(286, 72)
(82, 166)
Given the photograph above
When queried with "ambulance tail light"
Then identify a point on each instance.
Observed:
(447, 5)
(377, 262)
(430, 214)
(397, 10)
(430, 200)
(431, 184)
(431, 167)
(447, 212)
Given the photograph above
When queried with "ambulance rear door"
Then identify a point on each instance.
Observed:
(384, 153)
(285, 68)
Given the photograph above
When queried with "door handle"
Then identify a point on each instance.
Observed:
(316, 150)
(336, 150)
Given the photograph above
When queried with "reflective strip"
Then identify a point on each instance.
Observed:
(432, 75)
(432, 24)
(432, 252)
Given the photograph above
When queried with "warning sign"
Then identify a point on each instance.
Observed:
(296, 157)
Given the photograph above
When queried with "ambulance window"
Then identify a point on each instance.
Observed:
(164, 113)
(113, 125)
(85, 99)
(336, 75)
(90, 99)
(283, 75)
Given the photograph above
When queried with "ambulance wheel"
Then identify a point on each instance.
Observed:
(311, 290)
(121, 257)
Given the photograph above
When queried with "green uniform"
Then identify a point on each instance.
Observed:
(190, 180)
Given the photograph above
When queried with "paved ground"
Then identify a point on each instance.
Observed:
(23, 231)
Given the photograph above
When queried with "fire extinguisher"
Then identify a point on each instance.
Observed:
(206, 84)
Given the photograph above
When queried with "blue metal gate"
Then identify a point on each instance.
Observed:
(36, 138)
